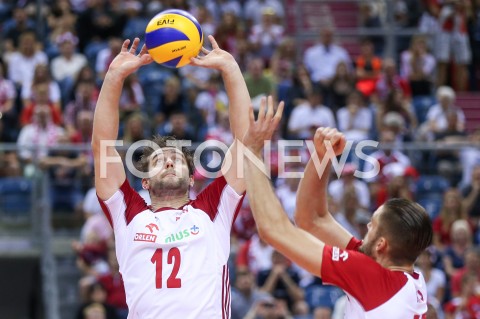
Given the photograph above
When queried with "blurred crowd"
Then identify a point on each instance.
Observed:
(53, 61)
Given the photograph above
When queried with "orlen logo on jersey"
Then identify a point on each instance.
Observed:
(336, 255)
(194, 230)
(145, 237)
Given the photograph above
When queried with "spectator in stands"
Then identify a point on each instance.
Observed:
(9, 163)
(308, 116)
(96, 307)
(331, 55)
(461, 242)
(213, 100)
(287, 189)
(470, 157)
(437, 115)
(435, 278)
(268, 308)
(68, 64)
(390, 80)
(254, 9)
(221, 131)
(266, 36)
(171, 99)
(106, 55)
(349, 211)
(85, 100)
(40, 133)
(297, 94)
(7, 104)
(96, 24)
(41, 96)
(63, 168)
(418, 66)
(370, 18)
(451, 211)
(136, 19)
(245, 294)
(367, 68)
(471, 198)
(448, 161)
(387, 156)
(321, 298)
(135, 131)
(283, 62)
(472, 266)
(179, 127)
(113, 283)
(217, 9)
(14, 27)
(254, 254)
(258, 83)
(397, 103)
(227, 32)
(61, 20)
(132, 98)
(343, 83)
(355, 119)
(22, 63)
(337, 188)
(452, 42)
(204, 16)
(42, 75)
(467, 304)
(281, 281)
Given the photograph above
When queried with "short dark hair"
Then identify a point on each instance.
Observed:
(162, 142)
(408, 229)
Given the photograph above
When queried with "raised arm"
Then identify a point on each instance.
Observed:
(273, 225)
(311, 212)
(109, 171)
(239, 100)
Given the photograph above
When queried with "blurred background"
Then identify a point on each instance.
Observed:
(405, 73)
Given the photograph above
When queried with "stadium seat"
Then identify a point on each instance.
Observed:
(421, 105)
(432, 204)
(15, 196)
(431, 184)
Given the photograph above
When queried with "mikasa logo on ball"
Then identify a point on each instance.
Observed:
(179, 49)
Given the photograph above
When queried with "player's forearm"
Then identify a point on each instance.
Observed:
(312, 195)
(267, 211)
(106, 119)
(239, 99)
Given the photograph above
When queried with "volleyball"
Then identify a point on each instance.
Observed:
(172, 37)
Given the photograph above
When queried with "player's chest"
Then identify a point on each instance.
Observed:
(169, 228)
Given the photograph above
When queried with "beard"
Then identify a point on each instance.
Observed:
(170, 186)
(367, 246)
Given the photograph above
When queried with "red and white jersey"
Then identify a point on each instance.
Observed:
(373, 292)
(174, 261)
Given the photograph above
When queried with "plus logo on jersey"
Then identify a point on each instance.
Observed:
(187, 232)
(147, 237)
(337, 254)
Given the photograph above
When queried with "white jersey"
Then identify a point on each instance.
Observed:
(174, 261)
(373, 291)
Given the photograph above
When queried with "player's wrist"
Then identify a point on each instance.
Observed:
(229, 66)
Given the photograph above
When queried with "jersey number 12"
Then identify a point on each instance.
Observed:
(174, 258)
